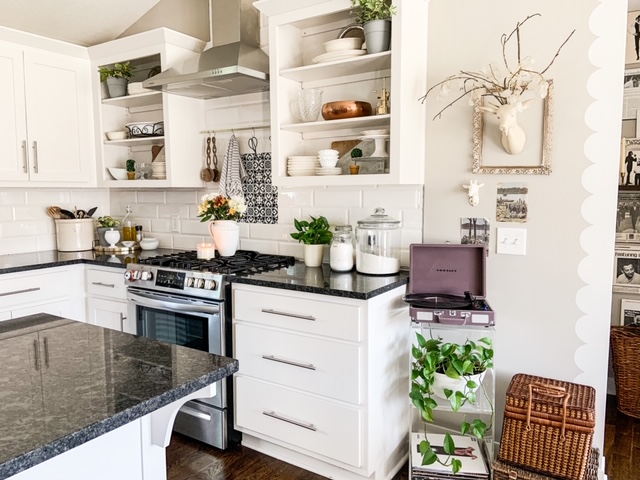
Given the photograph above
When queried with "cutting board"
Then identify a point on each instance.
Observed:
(344, 146)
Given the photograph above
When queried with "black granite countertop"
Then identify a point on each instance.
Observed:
(85, 382)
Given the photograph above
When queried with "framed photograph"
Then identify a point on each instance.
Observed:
(627, 216)
(629, 312)
(626, 276)
(630, 163)
(474, 231)
(511, 203)
(631, 94)
(632, 49)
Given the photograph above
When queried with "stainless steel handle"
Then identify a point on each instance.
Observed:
(16, 292)
(35, 156)
(122, 319)
(46, 352)
(195, 413)
(309, 366)
(101, 284)
(36, 354)
(175, 304)
(25, 157)
(286, 314)
(308, 426)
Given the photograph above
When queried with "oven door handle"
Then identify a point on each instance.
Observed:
(174, 304)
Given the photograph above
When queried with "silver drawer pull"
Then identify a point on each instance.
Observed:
(16, 292)
(101, 284)
(308, 426)
(309, 366)
(285, 314)
(195, 413)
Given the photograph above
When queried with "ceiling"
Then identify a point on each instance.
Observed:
(82, 22)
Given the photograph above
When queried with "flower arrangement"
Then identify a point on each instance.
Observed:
(219, 207)
(505, 84)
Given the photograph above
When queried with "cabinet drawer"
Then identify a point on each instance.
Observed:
(106, 284)
(319, 317)
(312, 364)
(25, 289)
(321, 426)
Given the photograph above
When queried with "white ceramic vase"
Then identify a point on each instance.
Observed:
(112, 237)
(313, 255)
(226, 236)
(441, 381)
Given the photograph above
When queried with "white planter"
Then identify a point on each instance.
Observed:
(226, 236)
(441, 382)
(313, 255)
(377, 34)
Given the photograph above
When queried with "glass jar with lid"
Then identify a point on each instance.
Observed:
(378, 244)
(341, 249)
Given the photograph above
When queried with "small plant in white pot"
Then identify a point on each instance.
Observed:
(315, 235)
(375, 18)
(103, 224)
(451, 372)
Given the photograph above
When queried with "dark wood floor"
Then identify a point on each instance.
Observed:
(188, 459)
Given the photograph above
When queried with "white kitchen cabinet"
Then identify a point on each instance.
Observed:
(296, 37)
(183, 117)
(323, 380)
(57, 291)
(46, 118)
(107, 299)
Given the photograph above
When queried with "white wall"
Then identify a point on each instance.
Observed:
(553, 305)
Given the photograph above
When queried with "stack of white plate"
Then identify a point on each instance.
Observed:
(158, 170)
(329, 171)
(302, 165)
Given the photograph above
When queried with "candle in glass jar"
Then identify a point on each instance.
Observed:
(206, 250)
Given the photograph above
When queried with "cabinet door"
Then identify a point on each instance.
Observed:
(58, 99)
(61, 308)
(106, 313)
(13, 122)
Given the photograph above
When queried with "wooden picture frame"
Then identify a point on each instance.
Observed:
(495, 160)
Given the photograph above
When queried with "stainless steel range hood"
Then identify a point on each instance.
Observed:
(234, 65)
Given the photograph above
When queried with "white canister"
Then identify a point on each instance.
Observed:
(75, 235)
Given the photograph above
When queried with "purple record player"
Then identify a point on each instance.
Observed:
(447, 285)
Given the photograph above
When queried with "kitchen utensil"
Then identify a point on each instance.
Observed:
(307, 104)
(66, 214)
(91, 211)
(79, 213)
(214, 153)
(346, 109)
(54, 212)
(206, 175)
(155, 151)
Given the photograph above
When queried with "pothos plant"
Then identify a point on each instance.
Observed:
(456, 361)
(315, 232)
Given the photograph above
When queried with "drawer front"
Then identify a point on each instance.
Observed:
(106, 284)
(312, 364)
(320, 426)
(319, 317)
(26, 289)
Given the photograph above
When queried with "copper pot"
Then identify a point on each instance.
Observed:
(346, 109)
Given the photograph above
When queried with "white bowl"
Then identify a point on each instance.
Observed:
(328, 162)
(120, 135)
(328, 151)
(149, 243)
(339, 44)
(118, 173)
(128, 243)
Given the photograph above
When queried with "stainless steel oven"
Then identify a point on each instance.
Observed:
(181, 299)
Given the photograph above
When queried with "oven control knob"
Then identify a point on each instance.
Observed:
(148, 276)
(189, 282)
(210, 285)
(128, 275)
(199, 283)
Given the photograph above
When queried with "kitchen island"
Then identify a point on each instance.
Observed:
(79, 401)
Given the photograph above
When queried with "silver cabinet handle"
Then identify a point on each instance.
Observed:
(101, 284)
(36, 354)
(16, 292)
(46, 352)
(308, 426)
(122, 319)
(285, 314)
(195, 413)
(35, 156)
(309, 366)
(25, 157)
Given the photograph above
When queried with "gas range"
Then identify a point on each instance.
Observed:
(184, 273)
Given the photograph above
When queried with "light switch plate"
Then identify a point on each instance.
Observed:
(511, 241)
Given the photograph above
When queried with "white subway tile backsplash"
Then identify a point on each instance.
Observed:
(337, 198)
(161, 225)
(140, 210)
(187, 242)
(262, 246)
(183, 197)
(13, 197)
(398, 197)
(18, 245)
(292, 249)
(276, 233)
(21, 229)
(193, 227)
(295, 198)
(30, 212)
(6, 213)
(335, 215)
(286, 215)
(124, 196)
(166, 211)
(47, 197)
(151, 196)
(165, 239)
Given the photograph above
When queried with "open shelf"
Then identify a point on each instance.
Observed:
(340, 68)
(138, 100)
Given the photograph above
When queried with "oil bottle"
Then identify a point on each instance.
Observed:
(128, 226)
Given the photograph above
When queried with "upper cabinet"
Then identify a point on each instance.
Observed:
(296, 38)
(182, 117)
(46, 117)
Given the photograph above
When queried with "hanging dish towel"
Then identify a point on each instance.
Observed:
(260, 194)
(233, 171)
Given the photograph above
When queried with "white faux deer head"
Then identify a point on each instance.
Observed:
(513, 136)
(473, 190)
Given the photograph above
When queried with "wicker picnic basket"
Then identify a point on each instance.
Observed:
(504, 471)
(625, 357)
(548, 426)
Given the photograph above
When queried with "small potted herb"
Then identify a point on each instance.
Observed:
(314, 235)
(102, 225)
(117, 78)
(131, 169)
(355, 154)
(375, 18)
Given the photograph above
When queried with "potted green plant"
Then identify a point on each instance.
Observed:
(117, 77)
(452, 373)
(355, 154)
(375, 18)
(102, 225)
(314, 235)
(131, 169)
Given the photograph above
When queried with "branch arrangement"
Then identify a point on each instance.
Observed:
(505, 84)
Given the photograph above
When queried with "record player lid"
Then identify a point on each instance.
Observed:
(447, 269)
